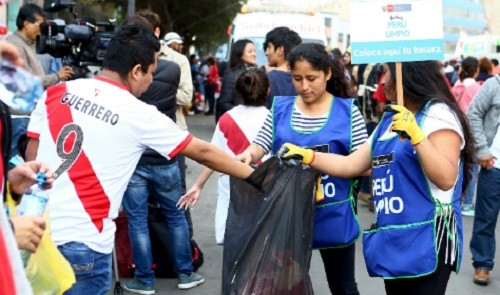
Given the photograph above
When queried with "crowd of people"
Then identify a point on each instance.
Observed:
(120, 140)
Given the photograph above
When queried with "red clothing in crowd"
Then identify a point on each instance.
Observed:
(213, 75)
(379, 94)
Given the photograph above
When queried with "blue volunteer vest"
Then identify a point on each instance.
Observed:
(335, 224)
(402, 243)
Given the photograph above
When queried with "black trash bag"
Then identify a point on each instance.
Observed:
(269, 231)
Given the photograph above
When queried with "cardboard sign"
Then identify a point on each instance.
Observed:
(396, 31)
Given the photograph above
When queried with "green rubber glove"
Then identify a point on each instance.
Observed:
(405, 124)
(291, 151)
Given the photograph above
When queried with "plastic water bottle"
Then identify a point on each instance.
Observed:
(33, 203)
(35, 198)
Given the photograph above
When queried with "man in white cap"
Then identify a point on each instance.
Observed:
(174, 41)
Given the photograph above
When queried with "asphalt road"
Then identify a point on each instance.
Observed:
(203, 218)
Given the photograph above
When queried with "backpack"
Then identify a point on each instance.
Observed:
(163, 258)
(163, 262)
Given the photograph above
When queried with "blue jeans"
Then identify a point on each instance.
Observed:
(471, 189)
(165, 181)
(19, 127)
(482, 244)
(92, 269)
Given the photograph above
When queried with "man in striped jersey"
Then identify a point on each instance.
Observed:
(96, 157)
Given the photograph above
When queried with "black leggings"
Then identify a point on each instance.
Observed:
(339, 268)
(433, 284)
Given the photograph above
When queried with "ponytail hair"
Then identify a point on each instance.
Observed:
(253, 86)
(468, 68)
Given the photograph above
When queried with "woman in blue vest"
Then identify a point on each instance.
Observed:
(417, 182)
(326, 121)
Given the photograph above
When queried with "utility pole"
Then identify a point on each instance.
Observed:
(131, 8)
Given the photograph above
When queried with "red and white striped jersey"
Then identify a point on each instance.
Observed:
(92, 132)
(238, 127)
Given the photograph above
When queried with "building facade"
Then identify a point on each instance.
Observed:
(492, 9)
(462, 16)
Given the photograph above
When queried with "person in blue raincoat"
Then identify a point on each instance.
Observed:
(323, 117)
(420, 158)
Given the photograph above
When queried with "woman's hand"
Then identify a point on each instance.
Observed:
(24, 175)
(405, 124)
(188, 200)
(245, 157)
(291, 151)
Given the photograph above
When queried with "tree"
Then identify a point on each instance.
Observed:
(202, 23)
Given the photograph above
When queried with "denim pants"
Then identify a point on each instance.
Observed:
(181, 160)
(471, 189)
(482, 244)
(92, 269)
(19, 127)
(165, 181)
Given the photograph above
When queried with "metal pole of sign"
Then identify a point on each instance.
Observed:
(131, 8)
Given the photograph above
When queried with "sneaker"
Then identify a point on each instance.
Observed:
(135, 286)
(468, 212)
(188, 282)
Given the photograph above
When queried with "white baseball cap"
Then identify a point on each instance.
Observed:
(171, 38)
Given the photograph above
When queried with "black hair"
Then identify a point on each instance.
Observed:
(283, 36)
(131, 45)
(237, 51)
(423, 81)
(339, 84)
(28, 12)
(469, 67)
(192, 57)
(253, 86)
(494, 61)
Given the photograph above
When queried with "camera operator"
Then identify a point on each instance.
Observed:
(28, 22)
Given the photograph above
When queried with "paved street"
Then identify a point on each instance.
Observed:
(203, 218)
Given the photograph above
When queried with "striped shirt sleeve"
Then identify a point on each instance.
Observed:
(359, 133)
(264, 138)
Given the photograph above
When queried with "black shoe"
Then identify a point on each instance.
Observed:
(209, 113)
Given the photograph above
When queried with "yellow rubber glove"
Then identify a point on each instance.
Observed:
(291, 151)
(404, 123)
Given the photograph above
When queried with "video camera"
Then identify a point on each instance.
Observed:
(81, 45)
